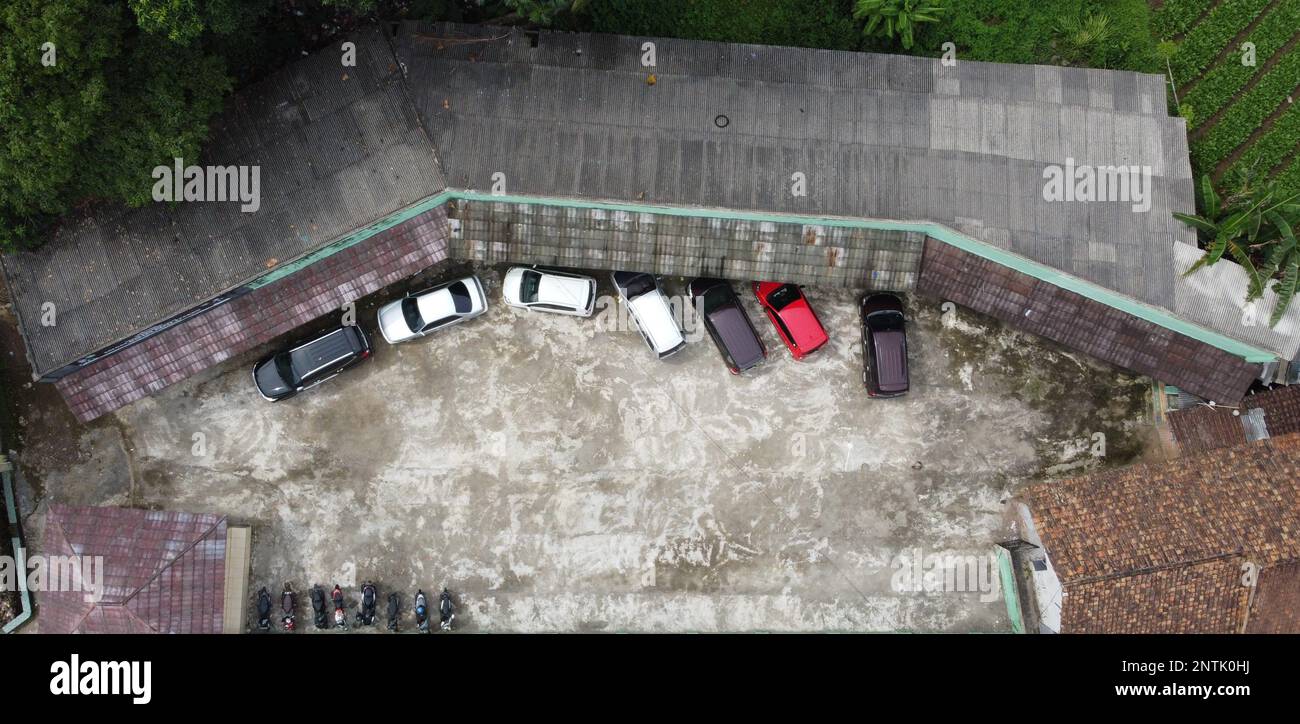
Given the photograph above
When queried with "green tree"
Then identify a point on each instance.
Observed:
(93, 123)
(896, 18)
(183, 21)
(543, 12)
(1255, 225)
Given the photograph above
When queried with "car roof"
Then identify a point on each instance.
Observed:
(732, 326)
(562, 289)
(655, 318)
(436, 304)
(803, 323)
(891, 360)
(320, 352)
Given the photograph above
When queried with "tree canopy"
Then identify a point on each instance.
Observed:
(90, 102)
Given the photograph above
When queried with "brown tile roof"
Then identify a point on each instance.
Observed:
(1134, 546)
(1205, 597)
(163, 572)
(1204, 428)
(1277, 601)
(1281, 406)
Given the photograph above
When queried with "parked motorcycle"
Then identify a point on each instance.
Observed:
(394, 608)
(446, 610)
(369, 596)
(340, 610)
(289, 604)
(318, 607)
(421, 611)
(264, 609)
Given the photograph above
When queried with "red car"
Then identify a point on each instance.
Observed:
(794, 318)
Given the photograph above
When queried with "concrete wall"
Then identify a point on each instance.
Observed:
(685, 246)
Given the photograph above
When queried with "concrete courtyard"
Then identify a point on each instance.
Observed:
(556, 477)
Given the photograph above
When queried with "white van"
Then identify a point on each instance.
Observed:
(650, 312)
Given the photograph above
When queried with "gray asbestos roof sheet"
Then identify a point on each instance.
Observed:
(338, 148)
(877, 136)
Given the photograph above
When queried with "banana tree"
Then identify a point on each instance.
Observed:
(1253, 224)
(888, 18)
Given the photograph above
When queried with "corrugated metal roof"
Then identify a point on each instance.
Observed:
(1214, 296)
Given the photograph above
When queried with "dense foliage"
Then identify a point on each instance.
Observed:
(899, 19)
(803, 23)
(90, 115)
(1245, 130)
(1255, 225)
(1049, 32)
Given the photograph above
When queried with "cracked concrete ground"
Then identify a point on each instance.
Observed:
(557, 477)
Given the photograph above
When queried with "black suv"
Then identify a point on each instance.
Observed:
(884, 346)
(308, 364)
(728, 324)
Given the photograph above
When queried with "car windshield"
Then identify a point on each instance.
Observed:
(528, 289)
(460, 296)
(640, 284)
(285, 370)
(885, 321)
(716, 298)
(411, 310)
(783, 296)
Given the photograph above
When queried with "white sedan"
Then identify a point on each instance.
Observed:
(420, 313)
(546, 290)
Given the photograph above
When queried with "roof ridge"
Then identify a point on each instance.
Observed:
(1150, 569)
(128, 598)
(57, 523)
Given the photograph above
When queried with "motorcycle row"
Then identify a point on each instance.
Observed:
(365, 612)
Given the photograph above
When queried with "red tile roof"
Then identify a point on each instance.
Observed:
(163, 572)
(1136, 546)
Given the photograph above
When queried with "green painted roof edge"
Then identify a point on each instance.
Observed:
(936, 231)
(352, 239)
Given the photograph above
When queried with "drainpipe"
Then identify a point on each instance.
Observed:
(20, 553)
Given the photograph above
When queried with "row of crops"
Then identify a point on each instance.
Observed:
(1228, 101)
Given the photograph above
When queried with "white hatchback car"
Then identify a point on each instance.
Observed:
(420, 313)
(546, 290)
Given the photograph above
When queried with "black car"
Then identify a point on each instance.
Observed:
(884, 346)
(728, 324)
(308, 364)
